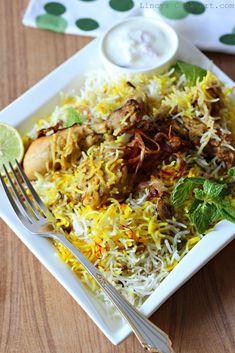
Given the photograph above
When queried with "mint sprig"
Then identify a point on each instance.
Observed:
(191, 72)
(203, 215)
(73, 117)
(182, 190)
(209, 201)
(227, 211)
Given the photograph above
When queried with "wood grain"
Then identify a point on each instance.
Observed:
(36, 314)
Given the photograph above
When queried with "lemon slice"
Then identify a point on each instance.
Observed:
(11, 146)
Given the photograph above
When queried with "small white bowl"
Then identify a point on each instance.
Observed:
(158, 65)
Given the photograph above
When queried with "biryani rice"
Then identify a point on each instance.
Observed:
(126, 240)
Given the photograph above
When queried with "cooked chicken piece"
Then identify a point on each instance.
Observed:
(99, 126)
(102, 174)
(195, 130)
(62, 147)
(37, 156)
(191, 130)
(227, 156)
(127, 117)
(215, 91)
(222, 151)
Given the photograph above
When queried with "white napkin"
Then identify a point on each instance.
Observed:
(210, 24)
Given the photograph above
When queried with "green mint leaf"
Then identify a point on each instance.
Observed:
(228, 212)
(191, 72)
(199, 194)
(231, 172)
(203, 214)
(214, 190)
(73, 117)
(210, 203)
(182, 189)
(194, 206)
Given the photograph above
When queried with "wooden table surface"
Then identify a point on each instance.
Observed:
(36, 314)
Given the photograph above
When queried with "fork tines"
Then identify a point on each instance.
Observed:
(27, 206)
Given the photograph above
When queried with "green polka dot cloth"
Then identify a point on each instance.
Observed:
(208, 24)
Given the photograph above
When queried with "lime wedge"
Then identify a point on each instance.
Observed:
(11, 146)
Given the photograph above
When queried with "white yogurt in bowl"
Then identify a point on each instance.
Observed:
(139, 44)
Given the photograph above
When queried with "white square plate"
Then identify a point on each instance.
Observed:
(40, 100)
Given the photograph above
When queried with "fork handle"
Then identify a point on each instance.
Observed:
(150, 336)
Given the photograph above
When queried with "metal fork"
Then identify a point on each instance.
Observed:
(35, 216)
